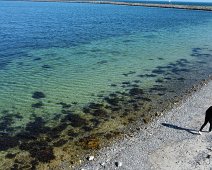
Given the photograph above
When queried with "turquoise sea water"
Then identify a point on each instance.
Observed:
(72, 75)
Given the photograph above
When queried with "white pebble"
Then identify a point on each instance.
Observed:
(91, 158)
(102, 164)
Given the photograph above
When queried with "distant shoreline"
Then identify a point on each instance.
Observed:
(188, 7)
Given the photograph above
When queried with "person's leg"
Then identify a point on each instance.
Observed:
(205, 123)
(210, 128)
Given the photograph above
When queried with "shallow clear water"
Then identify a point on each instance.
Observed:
(79, 72)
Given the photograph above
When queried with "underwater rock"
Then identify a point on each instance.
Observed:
(127, 74)
(37, 59)
(137, 81)
(127, 41)
(76, 120)
(95, 122)
(7, 142)
(86, 109)
(126, 82)
(40, 150)
(59, 128)
(72, 133)
(157, 88)
(63, 111)
(46, 66)
(26, 136)
(113, 85)
(95, 105)
(90, 142)
(134, 85)
(150, 75)
(141, 75)
(181, 79)
(196, 50)
(100, 113)
(113, 95)
(6, 121)
(112, 101)
(59, 143)
(95, 50)
(136, 106)
(34, 163)
(136, 91)
(37, 105)
(158, 71)
(10, 155)
(115, 108)
(43, 155)
(37, 127)
(19, 63)
(146, 99)
(102, 62)
(56, 117)
(159, 80)
(177, 70)
(109, 136)
(184, 60)
(15, 167)
(130, 120)
(64, 105)
(38, 95)
(87, 128)
(168, 78)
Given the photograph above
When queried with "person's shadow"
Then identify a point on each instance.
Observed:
(192, 131)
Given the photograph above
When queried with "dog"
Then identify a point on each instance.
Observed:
(208, 118)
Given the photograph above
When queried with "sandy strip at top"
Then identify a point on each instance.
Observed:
(189, 7)
(169, 142)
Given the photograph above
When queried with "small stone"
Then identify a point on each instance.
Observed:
(138, 128)
(102, 164)
(118, 164)
(90, 158)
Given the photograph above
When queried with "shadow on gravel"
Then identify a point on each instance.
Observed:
(192, 131)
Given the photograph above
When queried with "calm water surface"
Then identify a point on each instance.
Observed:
(72, 76)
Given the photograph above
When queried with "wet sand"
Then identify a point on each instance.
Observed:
(188, 7)
(169, 142)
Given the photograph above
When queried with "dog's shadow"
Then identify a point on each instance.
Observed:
(192, 131)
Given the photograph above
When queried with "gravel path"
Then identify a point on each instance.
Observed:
(170, 142)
